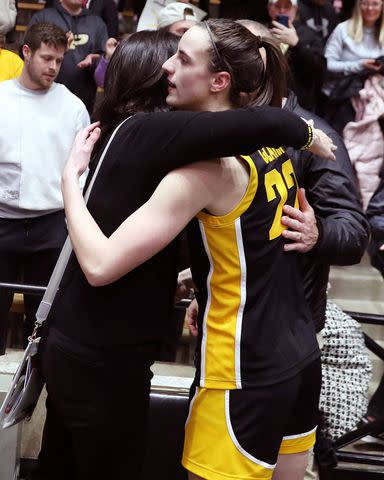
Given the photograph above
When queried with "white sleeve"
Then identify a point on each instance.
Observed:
(333, 53)
(12, 12)
(83, 121)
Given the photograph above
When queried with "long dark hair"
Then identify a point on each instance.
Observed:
(236, 50)
(135, 81)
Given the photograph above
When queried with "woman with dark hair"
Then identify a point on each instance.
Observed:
(241, 269)
(101, 342)
(134, 81)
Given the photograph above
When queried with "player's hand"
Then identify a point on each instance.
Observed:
(303, 231)
(192, 312)
(82, 149)
(381, 248)
(322, 145)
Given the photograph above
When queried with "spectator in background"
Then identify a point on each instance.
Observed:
(106, 9)
(178, 17)
(351, 53)
(305, 51)
(178, 11)
(101, 68)
(319, 16)
(355, 94)
(11, 64)
(35, 140)
(8, 14)
(236, 9)
(89, 37)
(357, 43)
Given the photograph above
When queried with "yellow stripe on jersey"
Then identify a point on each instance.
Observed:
(226, 293)
(221, 316)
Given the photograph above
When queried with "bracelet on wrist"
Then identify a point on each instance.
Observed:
(311, 137)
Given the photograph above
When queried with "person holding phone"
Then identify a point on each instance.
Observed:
(351, 53)
(304, 48)
(354, 95)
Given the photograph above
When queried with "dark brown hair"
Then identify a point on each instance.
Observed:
(236, 50)
(45, 33)
(135, 81)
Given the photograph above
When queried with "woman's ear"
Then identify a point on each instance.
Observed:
(220, 81)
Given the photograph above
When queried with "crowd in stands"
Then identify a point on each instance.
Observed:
(333, 60)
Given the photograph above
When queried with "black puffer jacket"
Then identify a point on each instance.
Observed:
(343, 227)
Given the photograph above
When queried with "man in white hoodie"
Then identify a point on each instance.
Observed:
(39, 122)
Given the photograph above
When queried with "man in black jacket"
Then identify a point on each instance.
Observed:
(332, 226)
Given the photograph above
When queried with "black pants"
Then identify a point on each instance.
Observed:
(96, 410)
(28, 252)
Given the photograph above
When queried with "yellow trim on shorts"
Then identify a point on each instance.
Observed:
(299, 444)
(206, 427)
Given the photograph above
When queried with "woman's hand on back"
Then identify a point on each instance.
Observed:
(322, 145)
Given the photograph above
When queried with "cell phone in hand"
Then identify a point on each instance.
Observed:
(283, 19)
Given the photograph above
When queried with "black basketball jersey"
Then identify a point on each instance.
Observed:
(254, 323)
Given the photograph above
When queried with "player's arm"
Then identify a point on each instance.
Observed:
(177, 199)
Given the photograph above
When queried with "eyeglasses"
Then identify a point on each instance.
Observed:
(373, 5)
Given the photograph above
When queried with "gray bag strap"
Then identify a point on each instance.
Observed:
(61, 264)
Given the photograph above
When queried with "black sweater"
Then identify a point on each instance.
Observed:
(137, 307)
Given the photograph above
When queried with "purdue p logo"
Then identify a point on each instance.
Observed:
(80, 39)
